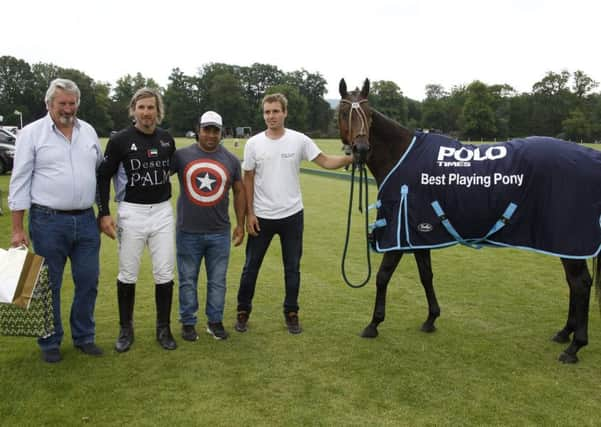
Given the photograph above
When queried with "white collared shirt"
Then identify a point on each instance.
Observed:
(52, 171)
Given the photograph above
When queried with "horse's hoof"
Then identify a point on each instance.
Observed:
(561, 337)
(428, 327)
(568, 358)
(369, 332)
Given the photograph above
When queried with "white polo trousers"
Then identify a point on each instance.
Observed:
(139, 225)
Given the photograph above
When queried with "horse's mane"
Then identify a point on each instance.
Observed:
(386, 128)
(389, 140)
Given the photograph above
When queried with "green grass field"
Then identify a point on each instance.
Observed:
(491, 361)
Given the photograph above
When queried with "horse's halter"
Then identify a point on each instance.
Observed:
(356, 107)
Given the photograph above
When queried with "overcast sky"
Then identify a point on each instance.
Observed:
(411, 42)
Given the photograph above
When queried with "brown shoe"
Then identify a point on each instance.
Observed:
(292, 323)
(242, 321)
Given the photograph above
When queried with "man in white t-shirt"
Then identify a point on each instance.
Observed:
(274, 204)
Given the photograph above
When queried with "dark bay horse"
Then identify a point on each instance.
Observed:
(382, 144)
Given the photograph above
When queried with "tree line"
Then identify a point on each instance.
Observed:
(560, 104)
(233, 91)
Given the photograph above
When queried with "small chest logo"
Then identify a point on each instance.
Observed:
(152, 152)
(165, 143)
(424, 227)
(133, 147)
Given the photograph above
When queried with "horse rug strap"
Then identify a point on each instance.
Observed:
(536, 193)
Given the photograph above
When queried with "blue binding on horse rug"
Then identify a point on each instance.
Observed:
(536, 193)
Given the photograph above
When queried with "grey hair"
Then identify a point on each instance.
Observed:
(148, 92)
(66, 85)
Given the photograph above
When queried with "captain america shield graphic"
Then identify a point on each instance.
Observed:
(205, 182)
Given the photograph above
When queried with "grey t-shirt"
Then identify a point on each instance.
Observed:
(205, 179)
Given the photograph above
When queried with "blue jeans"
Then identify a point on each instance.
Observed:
(191, 249)
(290, 230)
(56, 237)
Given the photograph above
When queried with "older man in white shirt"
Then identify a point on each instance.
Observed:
(54, 177)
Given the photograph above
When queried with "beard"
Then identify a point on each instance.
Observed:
(147, 124)
(66, 120)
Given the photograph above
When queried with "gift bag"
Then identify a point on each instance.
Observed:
(38, 319)
(19, 271)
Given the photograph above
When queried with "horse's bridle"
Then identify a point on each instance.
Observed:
(356, 106)
(357, 164)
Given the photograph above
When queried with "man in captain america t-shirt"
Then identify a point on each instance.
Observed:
(206, 172)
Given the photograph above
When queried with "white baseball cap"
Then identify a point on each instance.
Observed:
(210, 118)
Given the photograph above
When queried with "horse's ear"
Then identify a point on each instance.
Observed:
(342, 89)
(365, 89)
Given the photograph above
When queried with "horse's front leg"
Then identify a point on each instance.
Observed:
(563, 335)
(387, 267)
(579, 281)
(424, 266)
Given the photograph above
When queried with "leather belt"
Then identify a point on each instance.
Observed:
(61, 212)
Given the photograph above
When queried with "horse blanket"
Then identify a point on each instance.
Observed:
(536, 193)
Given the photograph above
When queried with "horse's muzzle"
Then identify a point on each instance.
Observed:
(360, 150)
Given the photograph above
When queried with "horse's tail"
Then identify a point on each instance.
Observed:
(597, 278)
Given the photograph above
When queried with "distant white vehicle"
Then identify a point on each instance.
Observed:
(7, 137)
(190, 134)
(7, 154)
(243, 132)
(12, 129)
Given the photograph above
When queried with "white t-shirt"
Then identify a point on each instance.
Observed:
(276, 163)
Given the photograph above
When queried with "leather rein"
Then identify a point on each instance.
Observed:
(355, 107)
